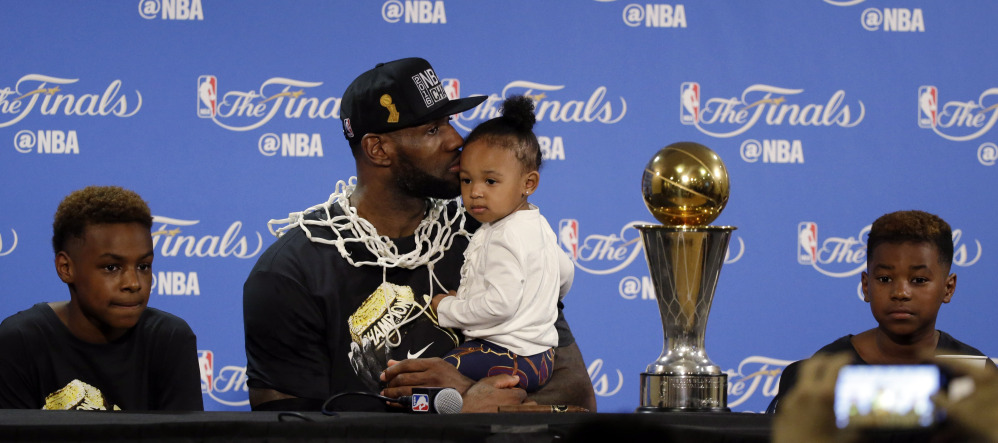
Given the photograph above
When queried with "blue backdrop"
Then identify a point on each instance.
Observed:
(827, 113)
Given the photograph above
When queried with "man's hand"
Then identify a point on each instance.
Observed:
(438, 297)
(807, 412)
(402, 376)
(491, 392)
(569, 383)
(364, 363)
(974, 415)
(484, 396)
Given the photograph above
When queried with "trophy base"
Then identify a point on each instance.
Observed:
(684, 393)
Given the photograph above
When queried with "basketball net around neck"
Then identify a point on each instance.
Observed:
(433, 237)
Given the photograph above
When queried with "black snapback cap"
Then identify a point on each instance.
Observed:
(397, 95)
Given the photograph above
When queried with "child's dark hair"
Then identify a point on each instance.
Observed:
(913, 226)
(95, 205)
(513, 130)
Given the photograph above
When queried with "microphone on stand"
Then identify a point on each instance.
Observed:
(432, 401)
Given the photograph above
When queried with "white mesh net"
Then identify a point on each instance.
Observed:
(434, 236)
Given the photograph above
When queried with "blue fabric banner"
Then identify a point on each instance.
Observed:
(224, 115)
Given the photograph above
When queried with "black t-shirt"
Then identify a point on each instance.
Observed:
(308, 312)
(153, 366)
(844, 344)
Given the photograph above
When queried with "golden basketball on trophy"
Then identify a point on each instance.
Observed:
(685, 183)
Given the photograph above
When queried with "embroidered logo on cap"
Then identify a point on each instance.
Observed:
(347, 127)
(429, 87)
(393, 114)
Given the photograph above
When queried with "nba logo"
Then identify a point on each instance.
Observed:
(928, 107)
(420, 402)
(689, 103)
(347, 128)
(452, 87)
(207, 96)
(568, 236)
(807, 243)
(206, 361)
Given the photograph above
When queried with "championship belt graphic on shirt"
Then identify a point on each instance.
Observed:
(395, 326)
(378, 316)
(78, 395)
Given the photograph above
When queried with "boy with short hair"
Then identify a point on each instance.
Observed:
(907, 279)
(906, 282)
(104, 349)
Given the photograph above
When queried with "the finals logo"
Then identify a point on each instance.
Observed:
(766, 104)
(255, 108)
(227, 387)
(45, 93)
(843, 257)
(168, 235)
(601, 254)
(550, 105)
(957, 120)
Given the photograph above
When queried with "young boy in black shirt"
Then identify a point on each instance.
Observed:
(103, 349)
(907, 280)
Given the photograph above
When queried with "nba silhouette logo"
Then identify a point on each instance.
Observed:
(807, 243)
(689, 103)
(568, 235)
(928, 106)
(207, 96)
(420, 402)
(206, 361)
(452, 87)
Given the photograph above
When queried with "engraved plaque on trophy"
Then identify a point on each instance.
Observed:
(685, 186)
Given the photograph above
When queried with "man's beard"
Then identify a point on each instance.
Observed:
(417, 183)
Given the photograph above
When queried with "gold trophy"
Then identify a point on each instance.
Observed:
(685, 186)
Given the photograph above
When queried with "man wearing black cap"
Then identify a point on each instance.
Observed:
(344, 292)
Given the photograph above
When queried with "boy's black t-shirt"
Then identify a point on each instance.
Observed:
(788, 378)
(153, 366)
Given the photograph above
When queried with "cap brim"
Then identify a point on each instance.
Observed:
(454, 107)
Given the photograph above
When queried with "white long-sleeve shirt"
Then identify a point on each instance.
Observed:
(513, 275)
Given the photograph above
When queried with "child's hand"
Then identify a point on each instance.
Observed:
(438, 297)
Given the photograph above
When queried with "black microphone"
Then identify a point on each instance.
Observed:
(432, 401)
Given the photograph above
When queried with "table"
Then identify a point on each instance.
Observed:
(83, 426)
